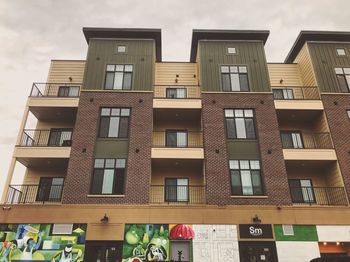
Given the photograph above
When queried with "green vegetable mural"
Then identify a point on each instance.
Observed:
(146, 243)
(42, 242)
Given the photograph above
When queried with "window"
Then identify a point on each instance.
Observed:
(341, 52)
(288, 230)
(119, 77)
(231, 50)
(50, 189)
(114, 122)
(68, 91)
(292, 139)
(283, 94)
(343, 76)
(176, 138)
(240, 124)
(121, 48)
(348, 112)
(62, 229)
(176, 189)
(108, 177)
(245, 177)
(234, 78)
(176, 92)
(301, 190)
(60, 137)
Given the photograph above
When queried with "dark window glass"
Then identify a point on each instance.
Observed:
(240, 124)
(243, 80)
(226, 83)
(301, 191)
(127, 81)
(249, 127)
(176, 93)
(342, 83)
(176, 190)
(176, 138)
(50, 189)
(60, 137)
(114, 122)
(230, 128)
(109, 80)
(234, 78)
(97, 181)
(119, 77)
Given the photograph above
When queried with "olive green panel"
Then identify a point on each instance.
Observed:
(301, 233)
(324, 59)
(107, 148)
(140, 53)
(214, 53)
(243, 149)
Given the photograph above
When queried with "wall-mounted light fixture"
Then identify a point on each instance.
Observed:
(256, 219)
(6, 208)
(105, 219)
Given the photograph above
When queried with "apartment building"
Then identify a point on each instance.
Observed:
(223, 158)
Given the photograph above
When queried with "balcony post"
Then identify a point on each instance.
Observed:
(8, 180)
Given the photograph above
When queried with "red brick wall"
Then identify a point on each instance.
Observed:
(335, 107)
(77, 183)
(216, 164)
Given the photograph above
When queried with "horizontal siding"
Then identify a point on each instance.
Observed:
(62, 70)
(166, 74)
(289, 73)
(32, 176)
(334, 178)
(325, 59)
(305, 67)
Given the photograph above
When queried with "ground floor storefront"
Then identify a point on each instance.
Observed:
(188, 235)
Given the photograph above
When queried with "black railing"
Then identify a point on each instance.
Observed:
(161, 194)
(329, 196)
(26, 194)
(296, 93)
(179, 139)
(41, 137)
(301, 140)
(55, 90)
(177, 92)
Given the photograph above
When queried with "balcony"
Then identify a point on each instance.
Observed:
(328, 196)
(34, 194)
(177, 195)
(307, 146)
(184, 97)
(181, 144)
(297, 98)
(43, 144)
(59, 100)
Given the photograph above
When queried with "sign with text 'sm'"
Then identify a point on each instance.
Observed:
(255, 231)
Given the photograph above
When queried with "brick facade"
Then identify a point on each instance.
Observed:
(335, 107)
(274, 174)
(138, 172)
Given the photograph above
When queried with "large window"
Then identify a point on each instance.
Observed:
(108, 177)
(119, 77)
(240, 123)
(176, 189)
(292, 139)
(245, 178)
(50, 189)
(343, 76)
(114, 122)
(301, 190)
(234, 78)
(176, 138)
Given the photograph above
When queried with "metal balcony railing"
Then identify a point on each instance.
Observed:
(329, 196)
(296, 93)
(41, 137)
(26, 194)
(177, 92)
(301, 140)
(55, 90)
(160, 194)
(178, 139)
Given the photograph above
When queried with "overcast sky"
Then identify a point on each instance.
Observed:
(32, 32)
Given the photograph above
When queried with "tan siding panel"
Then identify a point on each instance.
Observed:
(289, 73)
(62, 70)
(166, 74)
(305, 66)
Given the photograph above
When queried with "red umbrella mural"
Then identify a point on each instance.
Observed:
(181, 232)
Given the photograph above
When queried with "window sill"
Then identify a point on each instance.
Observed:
(117, 196)
(249, 196)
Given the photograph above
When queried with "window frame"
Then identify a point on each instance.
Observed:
(114, 176)
(46, 189)
(167, 131)
(291, 133)
(117, 49)
(124, 72)
(253, 118)
(171, 88)
(239, 79)
(109, 122)
(262, 187)
(229, 47)
(310, 201)
(343, 75)
(341, 48)
(166, 196)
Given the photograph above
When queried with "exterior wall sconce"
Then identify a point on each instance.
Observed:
(256, 219)
(105, 219)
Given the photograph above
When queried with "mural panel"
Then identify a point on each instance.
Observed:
(42, 242)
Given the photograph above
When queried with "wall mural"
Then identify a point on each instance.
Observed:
(152, 242)
(42, 242)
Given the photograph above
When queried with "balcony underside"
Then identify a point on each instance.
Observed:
(58, 112)
(42, 156)
(309, 154)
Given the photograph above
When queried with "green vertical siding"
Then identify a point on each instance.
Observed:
(111, 148)
(243, 149)
(102, 52)
(324, 59)
(212, 54)
(301, 233)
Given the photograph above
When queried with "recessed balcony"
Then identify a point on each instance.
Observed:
(177, 194)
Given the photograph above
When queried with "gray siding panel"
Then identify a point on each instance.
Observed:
(214, 53)
(140, 53)
(325, 59)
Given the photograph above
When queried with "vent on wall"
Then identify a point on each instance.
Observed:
(288, 230)
(62, 229)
